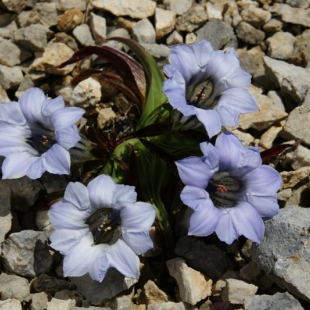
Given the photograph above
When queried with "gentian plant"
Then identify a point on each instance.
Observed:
(160, 150)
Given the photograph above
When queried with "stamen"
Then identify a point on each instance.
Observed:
(221, 189)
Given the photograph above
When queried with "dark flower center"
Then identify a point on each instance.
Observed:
(222, 189)
(200, 95)
(105, 226)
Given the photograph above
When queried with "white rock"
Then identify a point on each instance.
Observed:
(64, 5)
(299, 158)
(3, 98)
(231, 15)
(255, 16)
(153, 294)
(8, 31)
(10, 77)
(43, 13)
(190, 38)
(83, 34)
(266, 140)
(9, 53)
(39, 301)
(236, 291)
(105, 117)
(244, 137)
(164, 22)
(276, 99)
(98, 26)
(144, 32)
(174, 38)
(58, 304)
(169, 306)
(86, 93)
(157, 50)
(193, 286)
(12, 286)
(213, 11)
(179, 6)
(53, 56)
(14, 5)
(10, 304)
(133, 8)
(293, 178)
(281, 45)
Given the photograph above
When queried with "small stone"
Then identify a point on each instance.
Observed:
(255, 16)
(281, 45)
(33, 37)
(14, 5)
(268, 137)
(13, 286)
(8, 31)
(10, 77)
(249, 34)
(86, 93)
(213, 11)
(174, 38)
(169, 306)
(26, 253)
(43, 13)
(231, 15)
(299, 158)
(98, 27)
(153, 294)
(144, 32)
(54, 55)
(3, 97)
(10, 304)
(273, 25)
(292, 178)
(217, 32)
(217, 289)
(157, 50)
(179, 6)
(64, 5)
(164, 22)
(190, 38)
(301, 53)
(193, 286)
(284, 301)
(236, 291)
(59, 304)
(276, 99)
(83, 34)
(9, 53)
(70, 19)
(244, 137)
(39, 301)
(105, 117)
(134, 8)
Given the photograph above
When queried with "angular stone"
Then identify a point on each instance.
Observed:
(283, 301)
(144, 32)
(298, 158)
(213, 11)
(43, 13)
(179, 6)
(273, 25)
(14, 5)
(10, 77)
(70, 19)
(164, 22)
(10, 304)
(153, 294)
(39, 301)
(266, 140)
(284, 252)
(174, 38)
(157, 50)
(98, 27)
(8, 31)
(249, 34)
(64, 5)
(236, 291)
(26, 253)
(9, 53)
(53, 56)
(255, 16)
(292, 15)
(301, 53)
(281, 45)
(231, 15)
(218, 33)
(170, 306)
(58, 304)
(134, 8)
(292, 178)
(12, 286)
(83, 34)
(290, 78)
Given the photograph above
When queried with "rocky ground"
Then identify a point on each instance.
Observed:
(272, 40)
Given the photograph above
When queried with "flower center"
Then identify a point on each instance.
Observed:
(200, 95)
(41, 143)
(222, 189)
(105, 226)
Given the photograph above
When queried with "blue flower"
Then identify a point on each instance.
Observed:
(209, 84)
(36, 134)
(229, 190)
(101, 226)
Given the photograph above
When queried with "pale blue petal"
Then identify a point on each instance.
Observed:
(64, 215)
(137, 217)
(66, 117)
(195, 171)
(81, 257)
(68, 137)
(193, 196)
(241, 219)
(139, 241)
(124, 195)
(77, 194)
(16, 165)
(52, 105)
(232, 103)
(98, 269)
(211, 121)
(36, 170)
(124, 259)
(11, 113)
(204, 219)
(31, 103)
(101, 192)
(10, 145)
(56, 160)
(63, 240)
(211, 157)
(203, 53)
